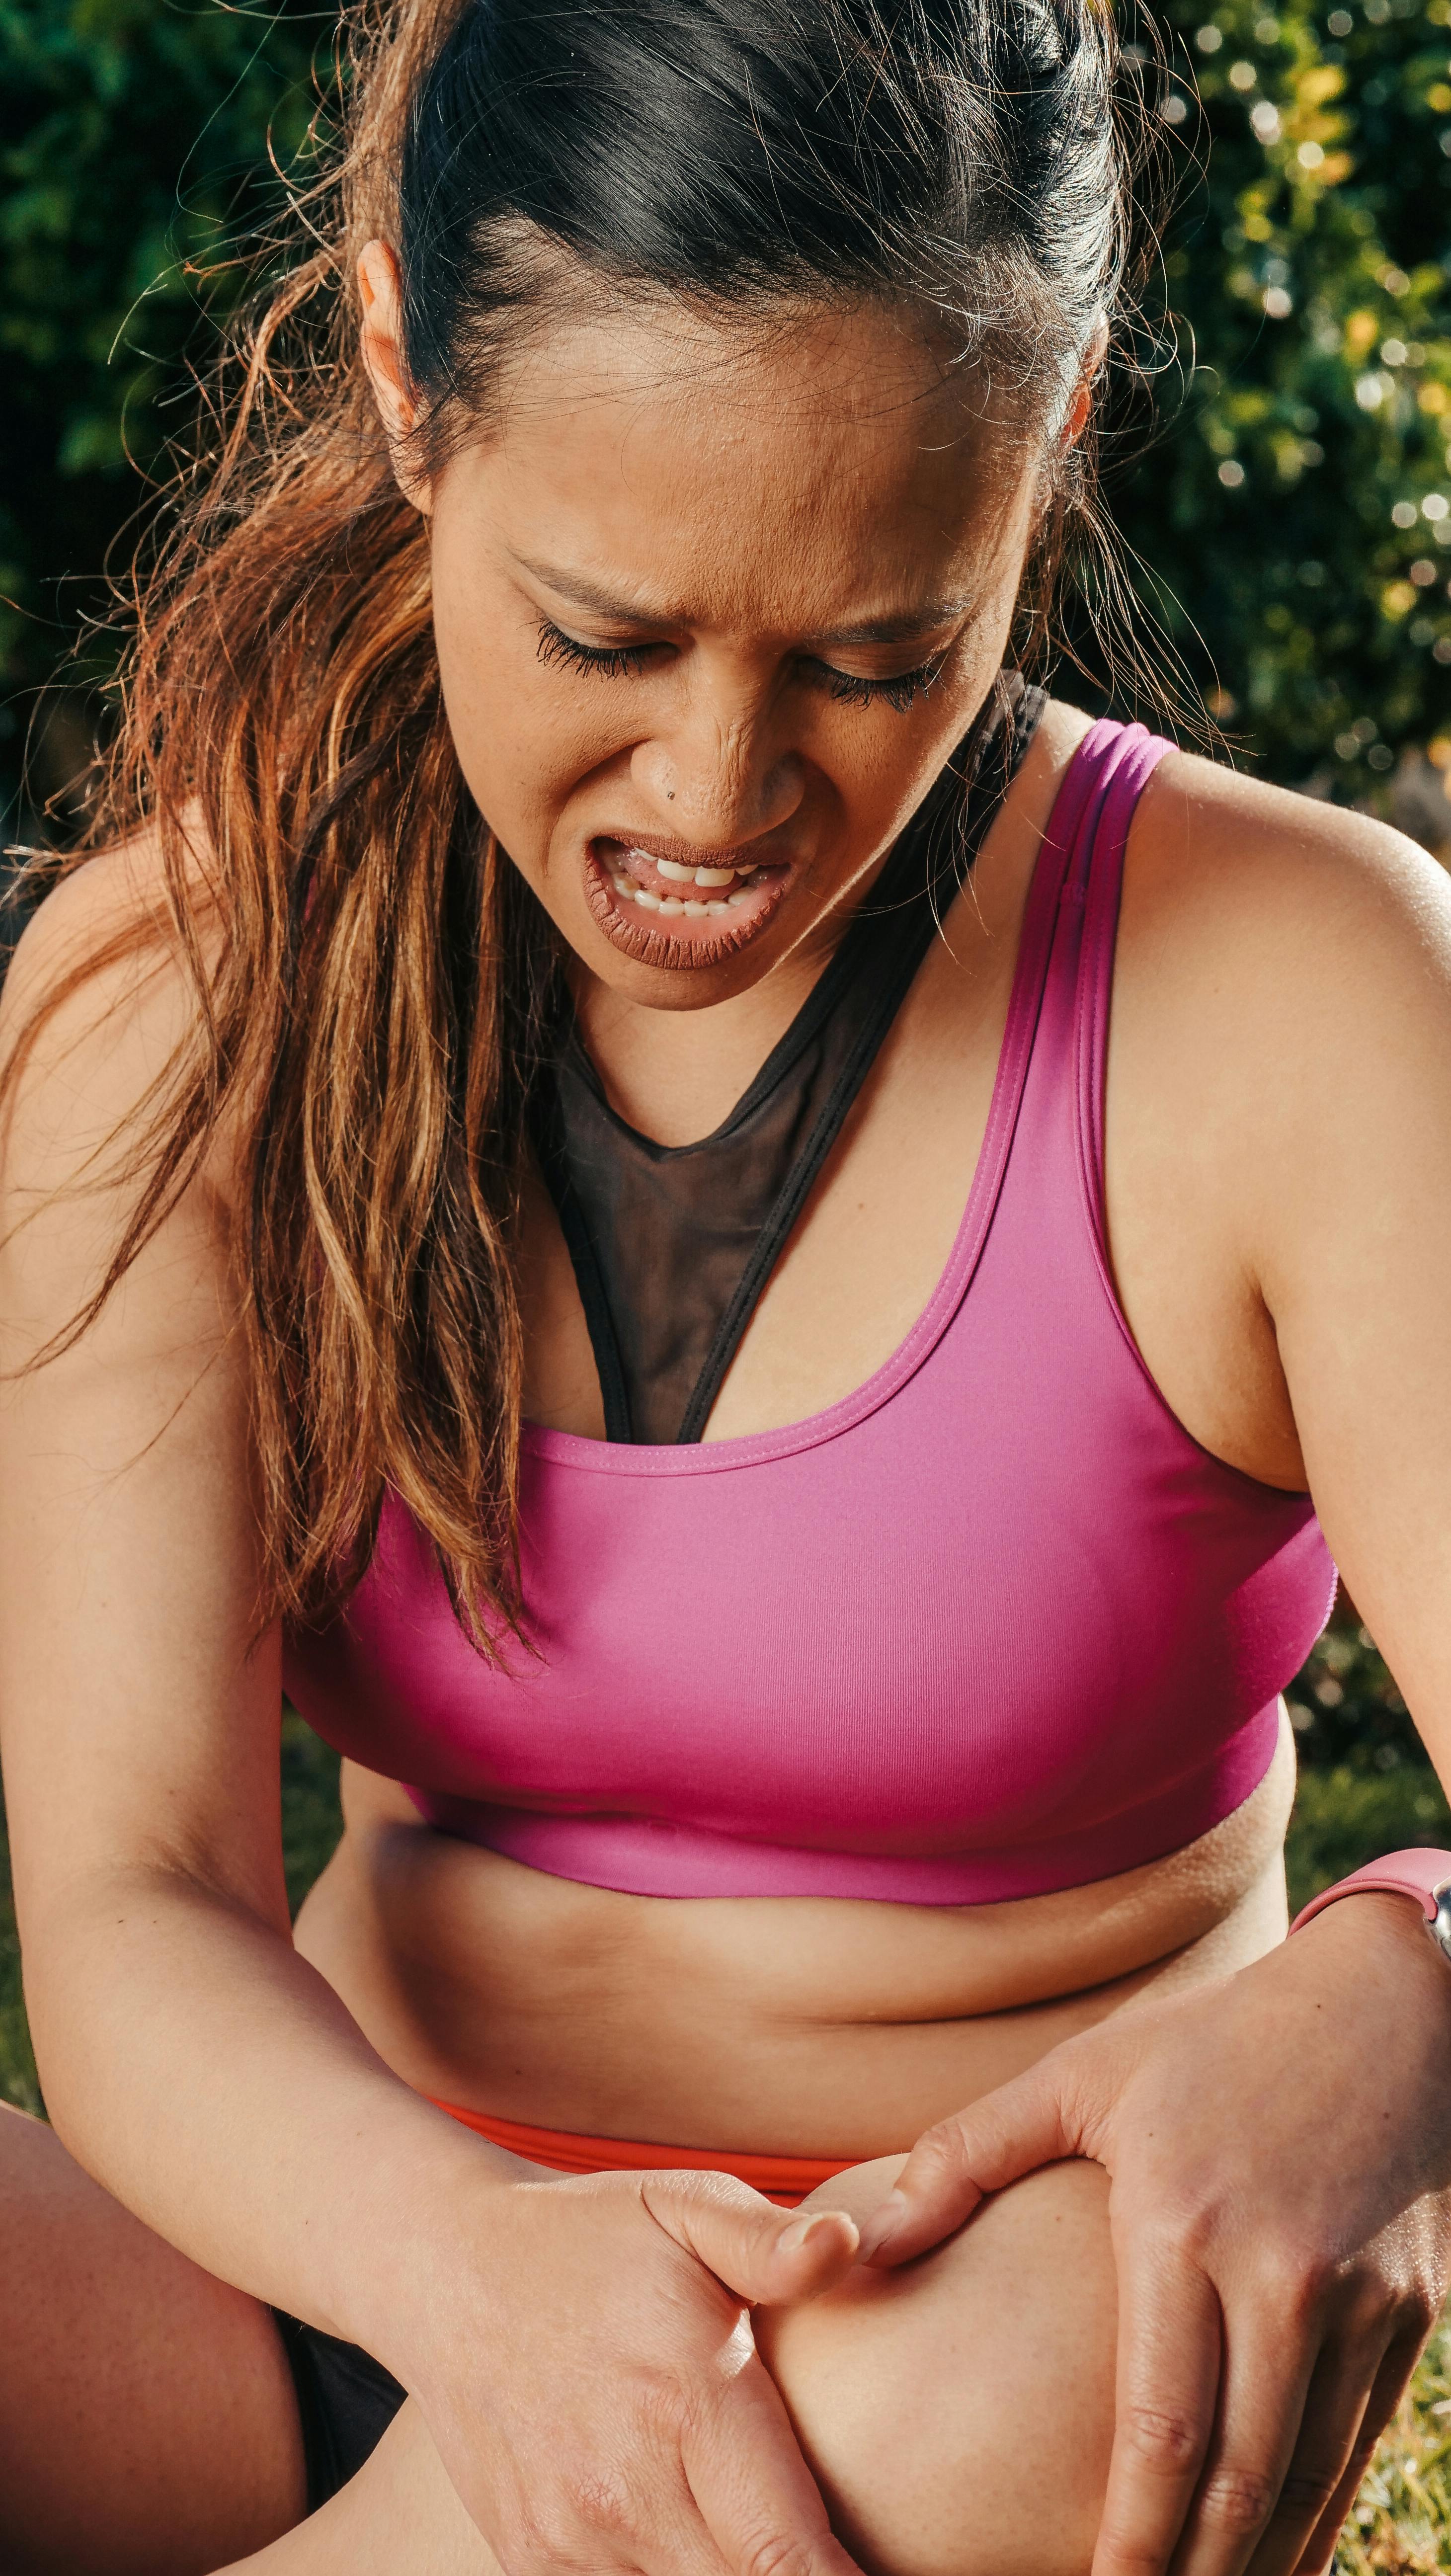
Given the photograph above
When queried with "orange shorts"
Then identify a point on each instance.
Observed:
(784, 2179)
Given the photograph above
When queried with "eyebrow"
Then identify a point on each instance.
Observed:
(896, 626)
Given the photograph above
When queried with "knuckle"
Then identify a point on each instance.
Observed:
(1126, 2553)
(941, 2149)
(541, 2541)
(1307, 2489)
(1417, 2309)
(662, 2408)
(1369, 2307)
(1162, 2439)
(1237, 2501)
(1388, 2302)
(1296, 2280)
(778, 2553)
(601, 2503)
(1183, 2227)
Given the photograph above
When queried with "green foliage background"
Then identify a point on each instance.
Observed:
(136, 137)
(1303, 421)
(1295, 504)
(1287, 499)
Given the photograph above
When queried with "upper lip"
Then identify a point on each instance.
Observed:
(745, 855)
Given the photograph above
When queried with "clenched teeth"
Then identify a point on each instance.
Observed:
(631, 893)
(675, 874)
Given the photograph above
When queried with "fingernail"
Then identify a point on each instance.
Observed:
(792, 2238)
(883, 2224)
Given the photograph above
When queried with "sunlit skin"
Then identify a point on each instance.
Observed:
(1194, 2217)
(778, 710)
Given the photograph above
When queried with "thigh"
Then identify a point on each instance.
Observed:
(958, 2414)
(148, 2425)
(398, 2517)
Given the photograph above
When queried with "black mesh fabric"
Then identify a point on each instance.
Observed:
(672, 1245)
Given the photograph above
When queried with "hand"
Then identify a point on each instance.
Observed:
(1279, 2151)
(593, 2389)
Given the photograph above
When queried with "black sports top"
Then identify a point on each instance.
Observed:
(672, 1245)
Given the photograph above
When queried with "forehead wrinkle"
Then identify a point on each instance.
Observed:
(892, 626)
(598, 596)
(900, 626)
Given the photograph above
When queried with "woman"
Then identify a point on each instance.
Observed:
(589, 932)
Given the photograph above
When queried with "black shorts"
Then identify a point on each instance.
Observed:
(346, 2401)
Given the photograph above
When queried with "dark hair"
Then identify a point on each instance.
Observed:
(960, 155)
(366, 965)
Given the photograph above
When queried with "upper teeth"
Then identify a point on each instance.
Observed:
(631, 893)
(678, 875)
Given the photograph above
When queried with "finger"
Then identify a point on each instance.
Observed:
(1388, 2389)
(770, 2257)
(1007, 2134)
(1264, 2386)
(1328, 2445)
(1166, 2384)
(757, 2498)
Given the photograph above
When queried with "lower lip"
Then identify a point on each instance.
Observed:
(680, 939)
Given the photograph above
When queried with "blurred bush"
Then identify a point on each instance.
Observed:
(1291, 504)
(136, 137)
(1297, 503)
(1345, 1708)
(1366, 1785)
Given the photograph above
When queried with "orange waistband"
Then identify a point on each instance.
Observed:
(784, 2179)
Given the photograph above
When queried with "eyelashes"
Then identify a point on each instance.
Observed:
(901, 692)
(627, 661)
(613, 661)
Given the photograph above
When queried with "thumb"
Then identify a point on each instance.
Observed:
(1009, 2133)
(770, 2257)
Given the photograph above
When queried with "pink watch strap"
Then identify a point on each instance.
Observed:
(1422, 1874)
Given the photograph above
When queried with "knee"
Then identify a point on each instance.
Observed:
(958, 2414)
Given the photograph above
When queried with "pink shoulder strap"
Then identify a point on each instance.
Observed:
(1108, 775)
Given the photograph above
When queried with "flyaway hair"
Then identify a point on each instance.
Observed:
(368, 970)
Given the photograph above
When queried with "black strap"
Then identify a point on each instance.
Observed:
(596, 1167)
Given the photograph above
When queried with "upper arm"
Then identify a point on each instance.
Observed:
(139, 1709)
(1323, 943)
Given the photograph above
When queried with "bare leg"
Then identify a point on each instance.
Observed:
(147, 2420)
(398, 2517)
(958, 2414)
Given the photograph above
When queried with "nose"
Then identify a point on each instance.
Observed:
(715, 768)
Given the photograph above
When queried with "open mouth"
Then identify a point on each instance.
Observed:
(664, 908)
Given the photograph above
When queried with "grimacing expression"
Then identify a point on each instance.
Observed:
(713, 607)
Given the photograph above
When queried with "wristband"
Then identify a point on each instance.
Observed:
(1426, 1875)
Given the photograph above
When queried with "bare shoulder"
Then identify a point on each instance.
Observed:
(98, 999)
(106, 1154)
(1253, 881)
(113, 907)
(1282, 1011)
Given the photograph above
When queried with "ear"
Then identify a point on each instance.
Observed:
(1076, 416)
(380, 287)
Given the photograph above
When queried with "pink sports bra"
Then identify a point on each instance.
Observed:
(992, 1625)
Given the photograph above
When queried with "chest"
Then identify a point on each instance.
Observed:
(861, 1264)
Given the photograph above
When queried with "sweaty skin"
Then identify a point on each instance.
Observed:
(1202, 2247)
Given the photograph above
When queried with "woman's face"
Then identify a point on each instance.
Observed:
(712, 610)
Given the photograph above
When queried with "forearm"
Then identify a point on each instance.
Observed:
(212, 2081)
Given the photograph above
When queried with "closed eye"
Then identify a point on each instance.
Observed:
(901, 691)
(614, 661)
(848, 688)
